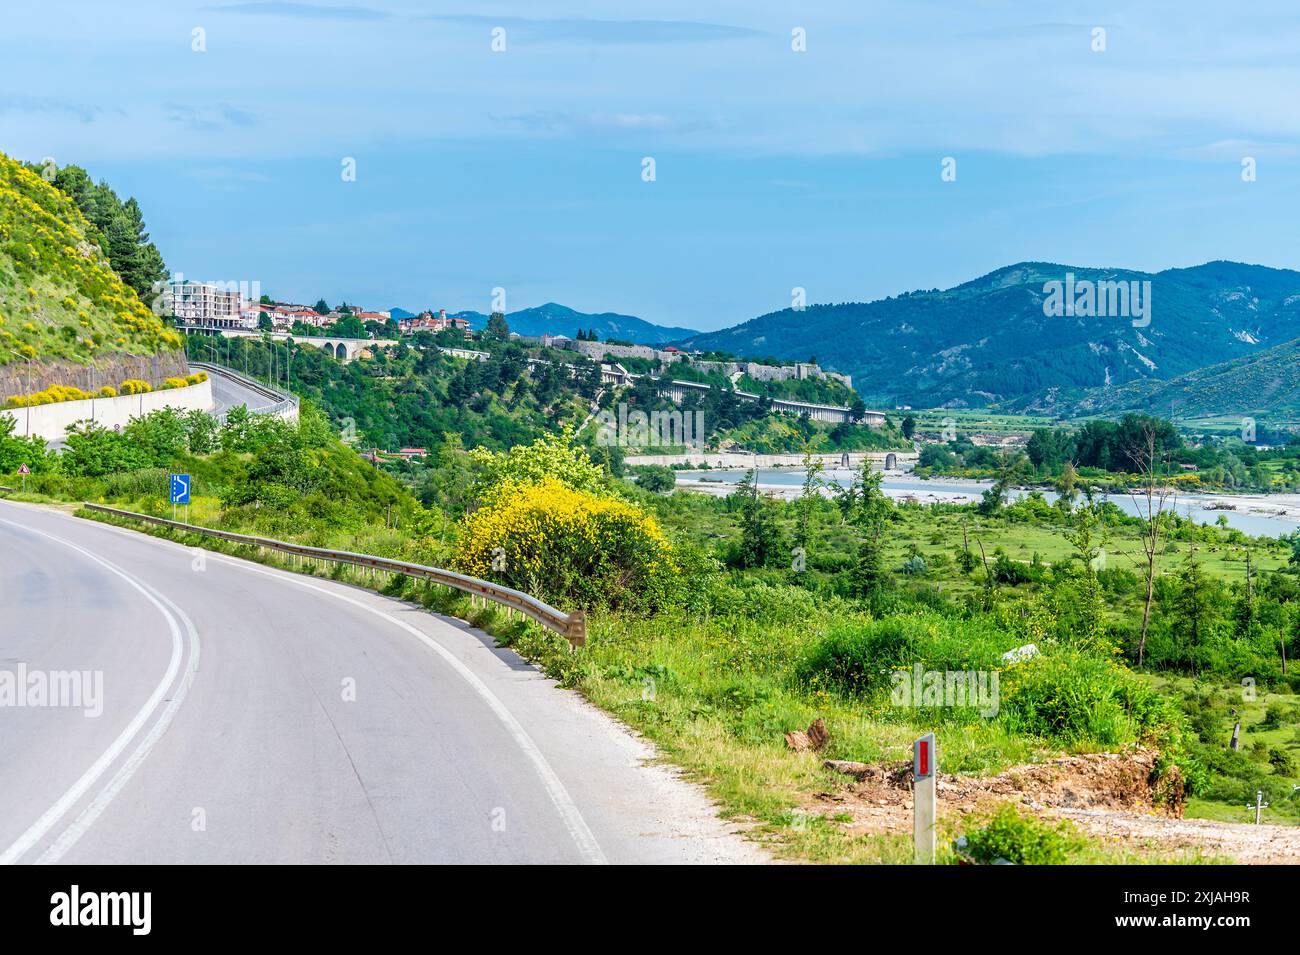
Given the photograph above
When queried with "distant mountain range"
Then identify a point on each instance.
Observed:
(1265, 385)
(553, 319)
(992, 340)
(1219, 338)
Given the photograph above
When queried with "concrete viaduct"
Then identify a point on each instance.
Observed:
(344, 349)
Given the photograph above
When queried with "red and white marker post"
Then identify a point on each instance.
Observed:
(923, 798)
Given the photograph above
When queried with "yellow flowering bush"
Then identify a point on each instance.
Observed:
(53, 269)
(132, 386)
(51, 395)
(568, 547)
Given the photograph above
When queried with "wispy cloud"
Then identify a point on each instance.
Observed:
(1232, 150)
(50, 107)
(225, 174)
(555, 122)
(208, 119)
(588, 30)
(1036, 30)
(303, 11)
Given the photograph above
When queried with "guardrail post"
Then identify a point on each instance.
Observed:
(577, 628)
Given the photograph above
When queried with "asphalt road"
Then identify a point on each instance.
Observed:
(251, 715)
(227, 393)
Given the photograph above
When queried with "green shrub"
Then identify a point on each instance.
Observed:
(914, 566)
(1075, 697)
(1277, 714)
(859, 660)
(1011, 836)
(1283, 763)
(655, 478)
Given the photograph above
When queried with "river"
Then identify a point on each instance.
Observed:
(1272, 515)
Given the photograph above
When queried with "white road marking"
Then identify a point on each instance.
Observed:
(581, 833)
(578, 829)
(78, 790)
(87, 818)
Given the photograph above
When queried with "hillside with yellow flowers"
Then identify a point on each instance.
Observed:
(66, 318)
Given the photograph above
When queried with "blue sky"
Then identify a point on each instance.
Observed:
(522, 169)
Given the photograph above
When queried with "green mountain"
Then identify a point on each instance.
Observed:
(996, 339)
(553, 319)
(1265, 385)
(63, 307)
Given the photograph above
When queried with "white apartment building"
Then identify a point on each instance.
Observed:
(211, 306)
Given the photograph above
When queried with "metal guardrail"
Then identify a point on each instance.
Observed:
(284, 400)
(6, 490)
(572, 626)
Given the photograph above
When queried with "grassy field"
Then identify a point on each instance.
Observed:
(1258, 738)
(982, 421)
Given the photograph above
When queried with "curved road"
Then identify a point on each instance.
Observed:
(228, 393)
(251, 715)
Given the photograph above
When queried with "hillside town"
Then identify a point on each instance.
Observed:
(237, 307)
(218, 305)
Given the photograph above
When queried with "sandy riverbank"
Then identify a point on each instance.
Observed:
(789, 492)
(942, 490)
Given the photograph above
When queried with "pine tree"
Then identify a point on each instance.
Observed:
(120, 229)
(868, 573)
(760, 537)
(871, 513)
(1193, 609)
(1087, 537)
(1245, 615)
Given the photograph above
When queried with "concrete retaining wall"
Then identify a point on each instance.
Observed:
(51, 421)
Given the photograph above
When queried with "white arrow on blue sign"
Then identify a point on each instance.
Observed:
(180, 488)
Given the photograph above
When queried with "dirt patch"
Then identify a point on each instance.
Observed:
(1119, 781)
(1242, 842)
(1108, 795)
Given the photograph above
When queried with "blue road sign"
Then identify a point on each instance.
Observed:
(180, 488)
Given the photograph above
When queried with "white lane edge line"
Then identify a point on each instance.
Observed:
(70, 836)
(37, 830)
(580, 832)
(577, 826)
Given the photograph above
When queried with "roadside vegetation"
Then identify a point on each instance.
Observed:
(717, 626)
